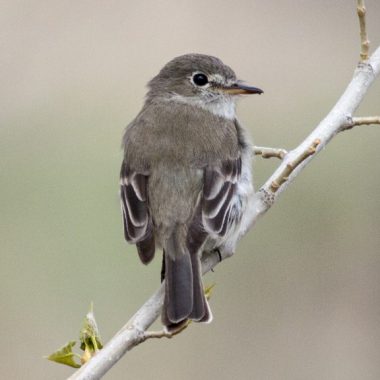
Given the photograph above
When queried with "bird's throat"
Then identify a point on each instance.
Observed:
(222, 106)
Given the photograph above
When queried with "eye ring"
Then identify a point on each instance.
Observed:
(200, 79)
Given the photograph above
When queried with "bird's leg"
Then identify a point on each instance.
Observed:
(163, 267)
(217, 251)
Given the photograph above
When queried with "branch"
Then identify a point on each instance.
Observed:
(354, 121)
(363, 31)
(269, 152)
(289, 168)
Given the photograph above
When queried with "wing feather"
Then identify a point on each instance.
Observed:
(136, 218)
(218, 195)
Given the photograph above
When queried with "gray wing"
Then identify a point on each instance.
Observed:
(136, 218)
(215, 211)
(219, 188)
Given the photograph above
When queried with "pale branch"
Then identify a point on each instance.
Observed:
(163, 333)
(364, 49)
(157, 334)
(291, 166)
(365, 120)
(266, 152)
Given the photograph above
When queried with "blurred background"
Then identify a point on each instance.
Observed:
(301, 297)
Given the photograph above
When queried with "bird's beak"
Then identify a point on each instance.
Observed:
(241, 89)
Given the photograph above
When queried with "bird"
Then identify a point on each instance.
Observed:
(186, 180)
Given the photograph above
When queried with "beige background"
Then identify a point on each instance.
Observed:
(301, 297)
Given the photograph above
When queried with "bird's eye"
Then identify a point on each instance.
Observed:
(200, 79)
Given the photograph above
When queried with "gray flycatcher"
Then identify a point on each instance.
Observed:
(186, 183)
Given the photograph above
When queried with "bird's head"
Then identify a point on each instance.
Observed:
(200, 80)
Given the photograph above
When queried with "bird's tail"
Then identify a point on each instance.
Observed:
(184, 295)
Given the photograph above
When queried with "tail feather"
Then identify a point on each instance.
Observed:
(179, 288)
(207, 317)
(179, 280)
(184, 295)
(199, 299)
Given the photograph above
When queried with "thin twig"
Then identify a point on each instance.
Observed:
(157, 334)
(291, 166)
(166, 334)
(266, 152)
(364, 120)
(364, 50)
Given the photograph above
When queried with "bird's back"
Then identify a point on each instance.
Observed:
(178, 143)
(174, 132)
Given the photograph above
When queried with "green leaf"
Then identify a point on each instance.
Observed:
(65, 355)
(89, 334)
